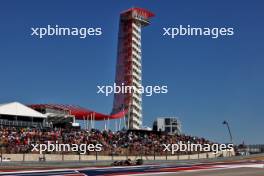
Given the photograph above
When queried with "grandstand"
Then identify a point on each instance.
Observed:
(23, 126)
(126, 142)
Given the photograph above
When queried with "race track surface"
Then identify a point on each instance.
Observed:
(212, 169)
(237, 167)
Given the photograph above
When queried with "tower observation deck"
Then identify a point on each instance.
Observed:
(128, 66)
(128, 73)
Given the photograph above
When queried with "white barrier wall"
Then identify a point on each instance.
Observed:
(59, 157)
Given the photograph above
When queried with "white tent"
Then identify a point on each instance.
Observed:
(18, 109)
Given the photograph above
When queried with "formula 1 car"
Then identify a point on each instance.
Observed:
(127, 162)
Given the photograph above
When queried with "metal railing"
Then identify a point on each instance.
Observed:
(5, 122)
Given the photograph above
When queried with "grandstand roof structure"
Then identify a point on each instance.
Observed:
(18, 109)
(80, 113)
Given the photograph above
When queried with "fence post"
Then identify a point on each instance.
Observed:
(44, 157)
(1, 152)
(154, 152)
(127, 153)
(112, 154)
(62, 156)
(141, 152)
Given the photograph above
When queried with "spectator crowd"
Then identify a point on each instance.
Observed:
(19, 140)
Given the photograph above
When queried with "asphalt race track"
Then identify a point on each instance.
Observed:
(203, 169)
(232, 166)
(224, 172)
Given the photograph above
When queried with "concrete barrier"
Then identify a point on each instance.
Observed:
(70, 157)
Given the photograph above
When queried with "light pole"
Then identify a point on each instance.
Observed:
(229, 131)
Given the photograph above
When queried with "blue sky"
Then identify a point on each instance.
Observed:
(209, 80)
